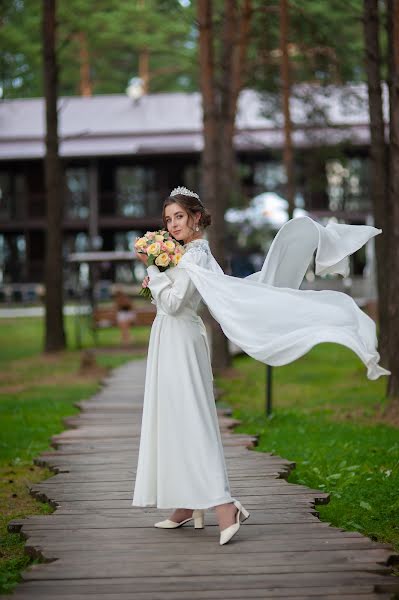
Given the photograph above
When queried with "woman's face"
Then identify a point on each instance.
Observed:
(179, 223)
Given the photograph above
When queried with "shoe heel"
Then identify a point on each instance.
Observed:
(243, 510)
(198, 516)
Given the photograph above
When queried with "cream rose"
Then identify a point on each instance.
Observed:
(154, 249)
(159, 238)
(140, 242)
(169, 245)
(176, 258)
(162, 260)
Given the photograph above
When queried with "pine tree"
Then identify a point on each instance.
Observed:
(54, 325)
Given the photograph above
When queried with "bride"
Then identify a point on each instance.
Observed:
(181, 462)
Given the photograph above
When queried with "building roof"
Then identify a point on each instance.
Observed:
(172, 122)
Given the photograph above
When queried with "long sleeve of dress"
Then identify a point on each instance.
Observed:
(169, 295)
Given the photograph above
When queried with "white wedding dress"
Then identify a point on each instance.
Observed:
(181, 462)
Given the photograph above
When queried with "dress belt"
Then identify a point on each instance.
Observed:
(189, 316)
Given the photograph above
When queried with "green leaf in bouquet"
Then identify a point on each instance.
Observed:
(146, 293)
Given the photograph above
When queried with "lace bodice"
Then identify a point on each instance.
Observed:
(197, 246)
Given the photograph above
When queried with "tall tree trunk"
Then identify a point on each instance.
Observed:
(288, 155)
(85, 85)
(220, 87)
(54, 330)
(210, 163)
(144, 61)
(379, 164)
(209, 158)
(393, 292)
(144, 69)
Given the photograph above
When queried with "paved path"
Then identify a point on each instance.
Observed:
(102, 548)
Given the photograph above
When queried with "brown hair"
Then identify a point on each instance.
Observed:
(191, 205)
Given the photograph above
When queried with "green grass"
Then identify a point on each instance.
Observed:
(37, 391)
(329, 419)
(24, 337)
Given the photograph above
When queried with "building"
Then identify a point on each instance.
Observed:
(121, 157)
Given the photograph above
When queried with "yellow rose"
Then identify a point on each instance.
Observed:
(140, 242)
(154, 249)
(176, 258)
(162, 260)
(170, 246)
(159, 238)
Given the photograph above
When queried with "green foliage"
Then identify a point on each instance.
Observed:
(116, 33)
(20, 48)
(328, 418)
(326, 44)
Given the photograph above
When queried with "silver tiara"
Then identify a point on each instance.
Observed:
(184, 191)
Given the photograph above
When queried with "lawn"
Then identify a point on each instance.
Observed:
(37, 392)
(332, 421)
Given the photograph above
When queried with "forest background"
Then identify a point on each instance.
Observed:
(279, 48)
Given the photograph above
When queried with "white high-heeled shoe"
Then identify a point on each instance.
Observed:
(198, 516)
(228, 533)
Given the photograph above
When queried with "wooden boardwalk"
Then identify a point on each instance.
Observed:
(100, 547)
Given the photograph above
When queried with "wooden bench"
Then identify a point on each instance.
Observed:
(104, 317)
(145, 316)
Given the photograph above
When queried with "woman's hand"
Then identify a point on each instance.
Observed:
(142, 257)
(145, 281)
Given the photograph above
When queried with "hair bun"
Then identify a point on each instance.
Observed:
(206, 218)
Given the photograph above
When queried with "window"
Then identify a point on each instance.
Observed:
(77, 200)
(5, 195)
(270, 176)
(192, 178)
(76, 242)
(135, 191)
(348, 184)
(12, 258)
(12, 195)
(124, 240)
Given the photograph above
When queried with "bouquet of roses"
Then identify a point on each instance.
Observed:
(162, 251)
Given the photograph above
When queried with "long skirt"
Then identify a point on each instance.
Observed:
(181, 462)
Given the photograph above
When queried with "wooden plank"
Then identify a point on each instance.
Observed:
(50, 546)
(364, 592)
(128, 475)
(306, 557)
(185, 581)
(110, 518)
(150, 533)
(207, 595)
(273, 485)
(268, 503)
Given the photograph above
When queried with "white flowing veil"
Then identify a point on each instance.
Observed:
(272, 320)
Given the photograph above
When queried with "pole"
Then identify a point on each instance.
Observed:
(268, 390)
